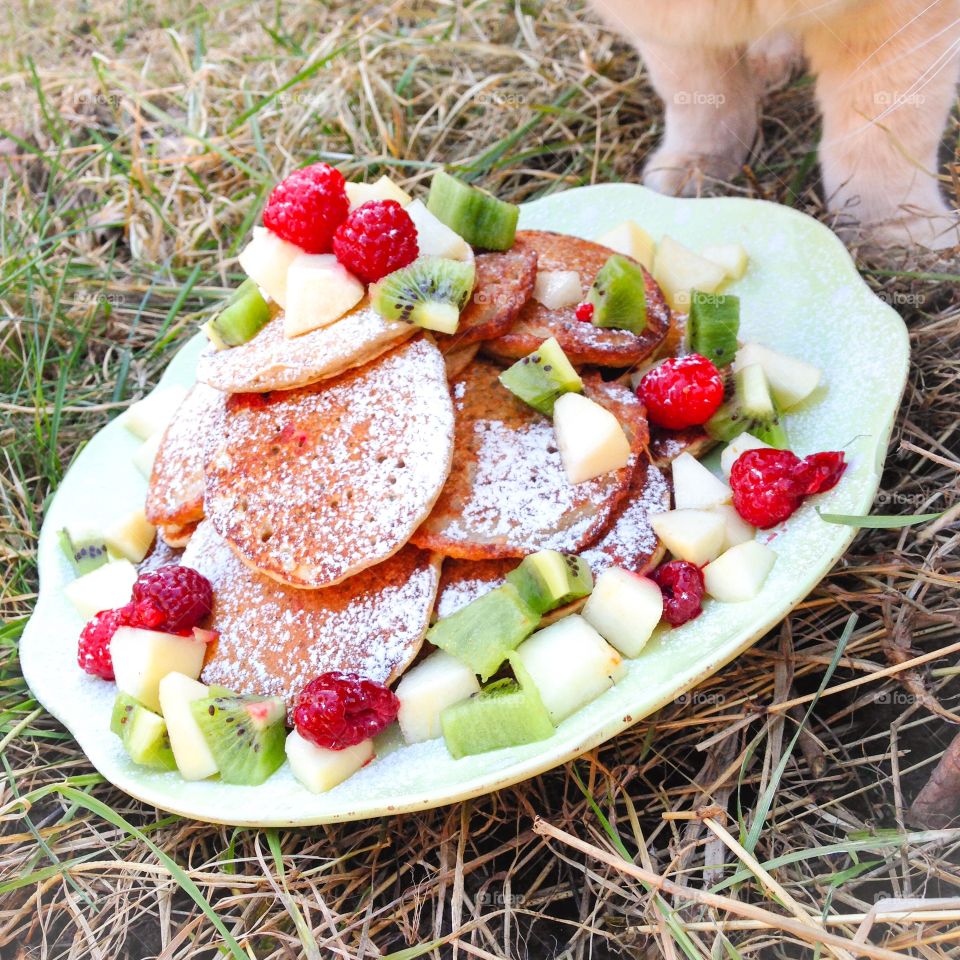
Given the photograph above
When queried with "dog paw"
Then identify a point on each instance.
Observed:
(687, 174)
(774, 59)
(934, 231)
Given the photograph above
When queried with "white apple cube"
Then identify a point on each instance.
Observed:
(557, 288)
(738, 574)
(266, 259)
(570, 664)
(679, 270)
(435, 238)
(590, 438)
(194, 759)
(320, 290)
(146, 453)
(694, 535)
(152, 414)
(142, 658)
(736, 529)
(105, 588)
(738, 446)
(624, 608)
(319, 769)
(382, 189)
(426, 689)
(131, 536)
(695, 487)
(731, 256)
(791, 381)
(630, 239)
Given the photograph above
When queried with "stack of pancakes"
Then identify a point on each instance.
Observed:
(343, 488)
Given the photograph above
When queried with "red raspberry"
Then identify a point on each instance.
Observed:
(337, 710)
(821, 471)
(171, 598)
(584, 312)
(93, 651)
(682, 392)
(376, 239)
(307, 207)
(768, 486)
(681, 584)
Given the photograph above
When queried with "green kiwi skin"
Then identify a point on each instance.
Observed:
(541, 378)
(713, 325)
(533, 584)
(127, 720)
(479, 217)
(243, 314)
(619, 295)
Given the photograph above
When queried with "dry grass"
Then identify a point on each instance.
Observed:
(139, 139)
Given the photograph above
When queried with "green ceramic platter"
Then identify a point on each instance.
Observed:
(801, 295)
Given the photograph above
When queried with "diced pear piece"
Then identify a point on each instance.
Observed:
(382, 189)
(679, 270)
(435, 238)
(131, 536)
(142, 658)
(146, 453)
(320, 290)
(570, 664)
(739, 445)
(695, 487)
(557, 288)
(266, 259)
(630, 239)
(590, 438)
(105, 588)
(791, 380)
(426, 689)
(737, 530)
(194, 759)
(694, 535)
(319, 769)
(624, 608)
(731, 256)
(152, 414)
(739, 573)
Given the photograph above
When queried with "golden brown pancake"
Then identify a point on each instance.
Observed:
(272, 361)
(583, 343)
(462, 581)
(177, 535)
(458, 360)
(667, 445)
(274, 639)
(508, 494)
(311, 486)
(175, 493)
(504, 284)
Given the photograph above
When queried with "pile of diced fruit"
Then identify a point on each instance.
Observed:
(514, 663)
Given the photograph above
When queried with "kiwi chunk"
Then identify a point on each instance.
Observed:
(549, 579)
(143, 732)
(430, 293)
(85, 551)
(479, 217)
(245, 735)
(752, 409)
(619, 295)
(240, 317)
(713, 325)
(543, 376)
(483, 633)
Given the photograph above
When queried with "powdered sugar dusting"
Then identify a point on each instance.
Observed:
(274, 639)
(316, 484)
(462, 581)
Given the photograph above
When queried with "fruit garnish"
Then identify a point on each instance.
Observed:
(337, 710)
(173, 597)
(430, 293)
(85, 551)
(320, 290)
(619, 295)
(376, 239)
(143, 732)
(548, 579)
(543, 376)
(624, 609)
(241, 317)
(194, 758)
(681, 584)
(590, 438)
(679, 271)
(307, 206)
(93, 650)
(556, 289)
(821, 472)
(682, 392)
(319, 769)
(142, 658)
(713, 325)
(479, 217)
(739, 573)
(584, 312)
(427, 689)
(752, 409)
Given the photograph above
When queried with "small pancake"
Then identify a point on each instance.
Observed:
(504, 284)
(462, 581)
(458, 360)
(667, 445)
(274, 639)
(272, 361)
(508, 494)
(311, 486)
(175, 494)
(177, 535)
(583, 343)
